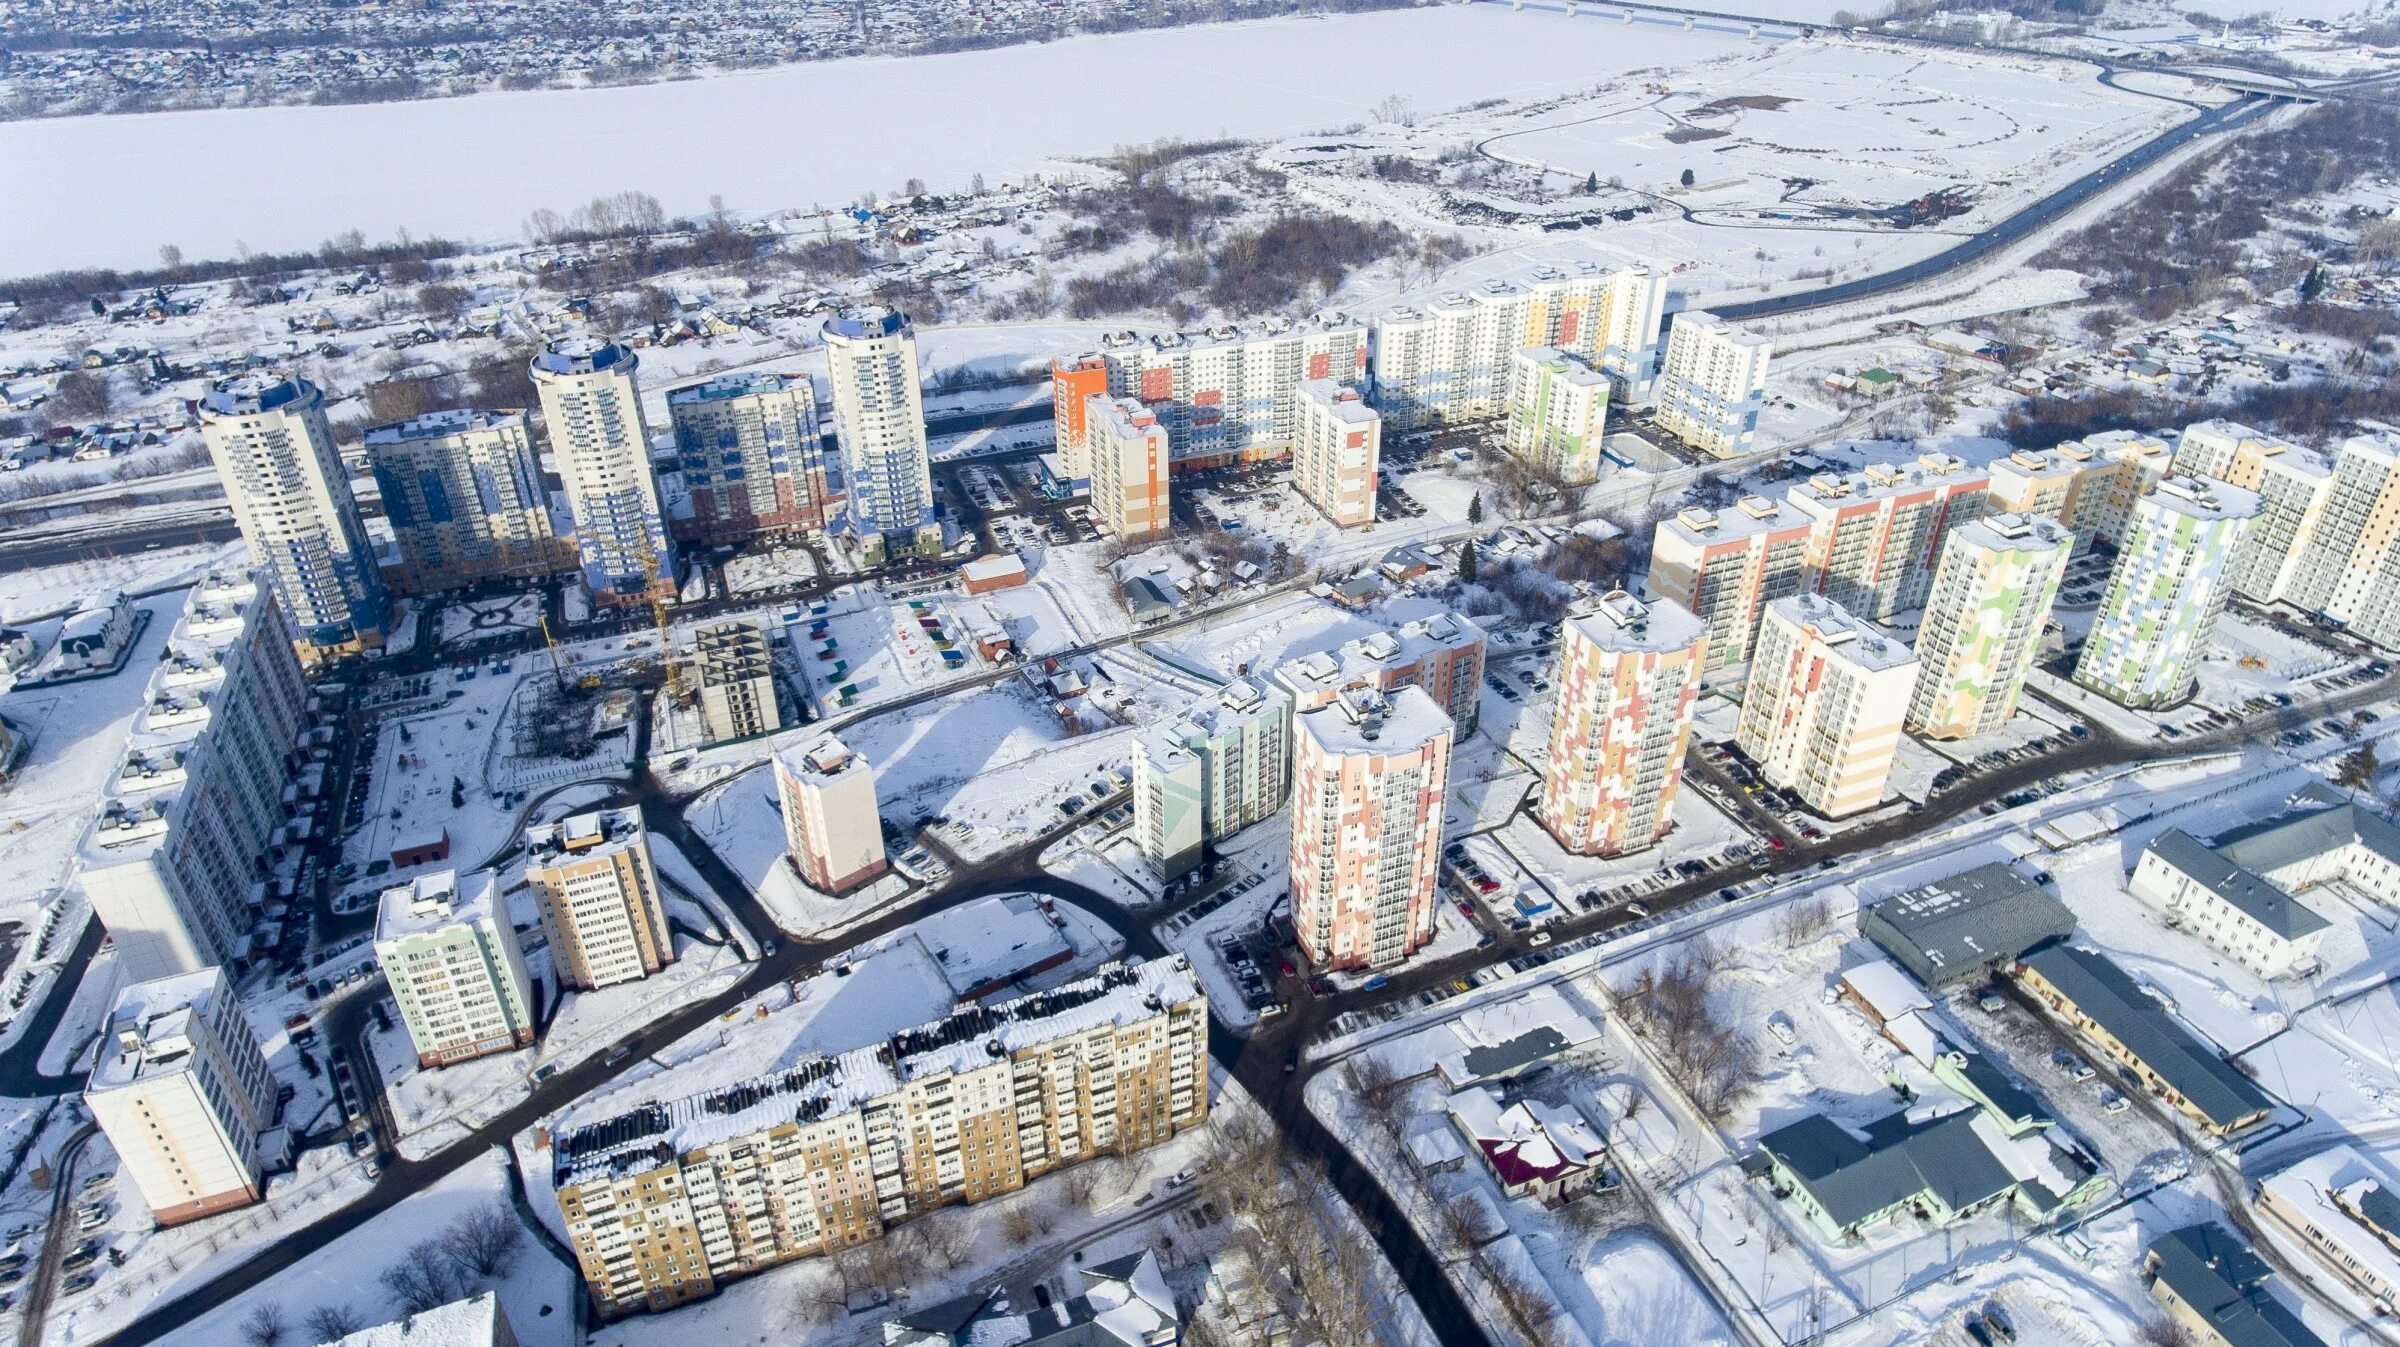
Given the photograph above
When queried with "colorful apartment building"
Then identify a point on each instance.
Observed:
(1726, 566)
(1628, 680)
(1206, 774)
(1126, 450)
(1337, 451)
(1822, 710)
(1074, 382)
(2172, 577)
(1447, 362)
(1713, 384)
(751, 458)
(1983, 623)
(1557, 413)
(1369, 774)
(1443, 654)
(1875, 535)
(1230, 394)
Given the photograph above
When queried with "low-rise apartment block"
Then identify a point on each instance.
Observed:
(1337, 450)
(1126, 448)
(1713, 384)
(2164, 595)
(1726, 566)
(1628, 681)
(750, 456)
(1369, 773)
(185, 1096)
(1821, 713)
(1210, 772)
(1442, 654)
(455, 966)
(665, 1198)
(2238, 894)
(737, 682)
(1983, 623)
(832, 825)
(2346, 1210)
(2088, 993)
(599, 897)
(2214, 1288)
(1557, 413)
(193, 810)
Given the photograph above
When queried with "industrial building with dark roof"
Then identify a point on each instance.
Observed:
(1966, 927)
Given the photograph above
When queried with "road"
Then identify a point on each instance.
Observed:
(41, 1284)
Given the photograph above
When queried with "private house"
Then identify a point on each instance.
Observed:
(1537, 1150)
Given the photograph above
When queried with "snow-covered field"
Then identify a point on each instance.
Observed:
(1008, 113)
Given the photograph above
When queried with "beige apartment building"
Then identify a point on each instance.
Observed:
(599, 899)
(737, 682)
(185, 1096)
(1127, 450)
(1368, 775)
(1337, 452)
(1876, 534)
(463, 492)
(2086, 486)
(1822, 711)
(831, 824)
(1628, 682)
(665, 1198)
(1726, 566)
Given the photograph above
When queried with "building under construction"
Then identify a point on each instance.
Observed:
(737, 682)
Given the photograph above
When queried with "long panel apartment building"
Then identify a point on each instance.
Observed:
(1443, 654)
(752, 462)
(174, 863)
(1202, 776)
(1448, 361)
(2326, 539)
(1875, 535)
(667, 1197)
(1227, 395)
(463, 491)
(2086, 486)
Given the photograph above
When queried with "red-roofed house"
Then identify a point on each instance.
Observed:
(1535, 1150)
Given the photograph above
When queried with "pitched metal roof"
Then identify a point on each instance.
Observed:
(2250, 893)
(2104, 992)
(2322, 820)
(2213, 1271)
(1854, 1180)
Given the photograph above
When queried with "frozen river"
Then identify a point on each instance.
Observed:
(109, 191)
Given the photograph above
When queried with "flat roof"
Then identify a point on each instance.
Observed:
(1620, 622)
(1847, 639)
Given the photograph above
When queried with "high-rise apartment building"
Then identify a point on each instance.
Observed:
(1983, 623)
(2295, 489)
(184, 1094)
(1726, 566)
(1448, 361)
(1876, 534)
(1125, 449)
(592, 414)
(1337, 453)
(1219, 767)
(1073, 384)
(664, 1198)
(1231, 394)
(1628, 680)
(1369, 773)
(274, 453)
(832, 826)
(194, 807)
(737, 682)
(1442, 654)
(751, 460)
(1713, 385)
(463, 491)
(1822, 710)
(2347, 568)
(1557, 413)
(599, 897)
(2170, 583)
(879, 420)
(2088, 486)
(455, 966)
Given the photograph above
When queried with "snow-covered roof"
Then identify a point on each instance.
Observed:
(2201, 499)
(1341, 401)
(617, 1143)
(150, 1028)
(721, 387)
(1886, 990)
(477, 1321)
(991, 941)
(1528, 1141)
(1847, 639)
(2345, 1197)
(436, 901)
(1620, 622)
(1364, 721)
(2013, 533)
(434, 425)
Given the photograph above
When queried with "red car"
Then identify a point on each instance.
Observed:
(1487, 884)
(1288, 970)
(1466, 907)
(1775, 842)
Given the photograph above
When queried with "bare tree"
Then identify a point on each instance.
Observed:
(264, 1326)
(1802, 922)
(484, 1242)
(331, 1323)
(2163, 1332)
(1379, 1092)
(423, 1277)
(81, 395)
